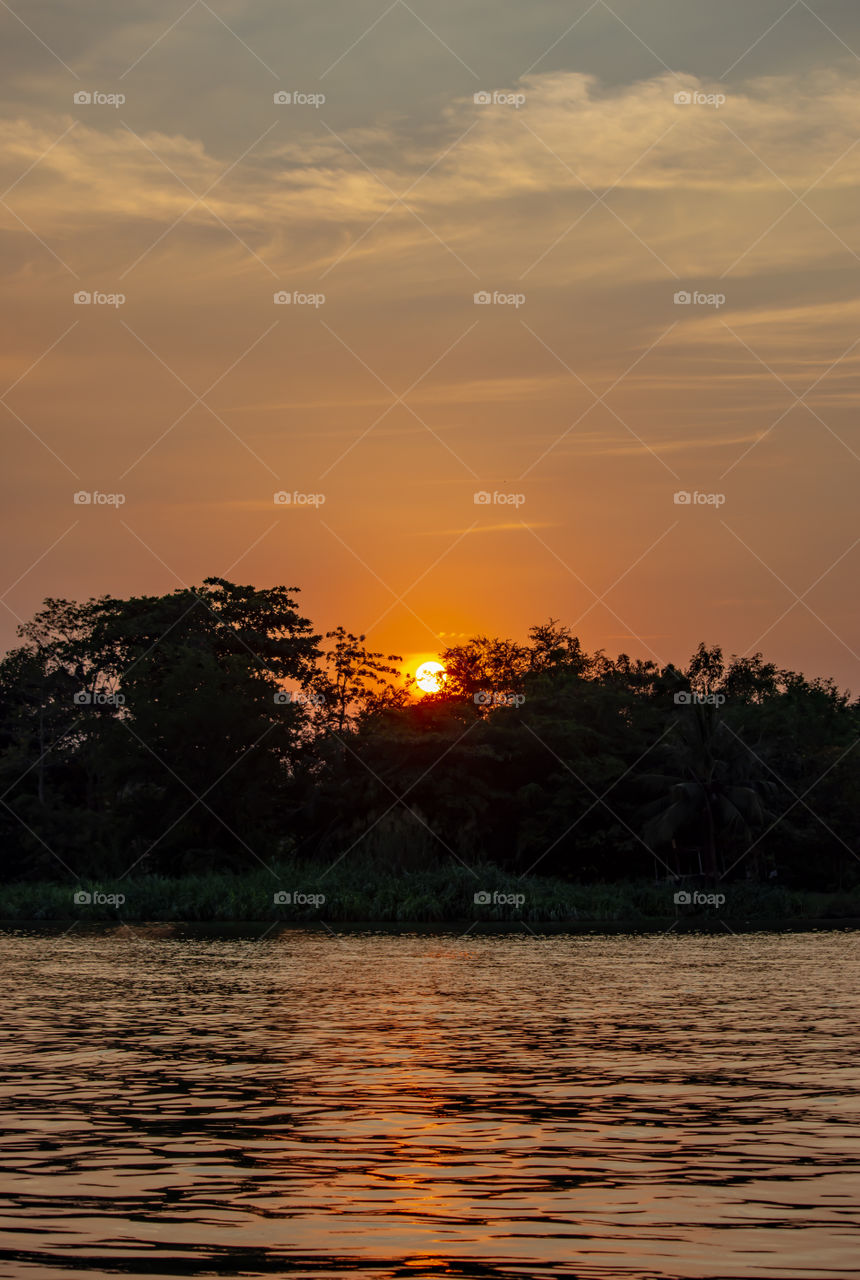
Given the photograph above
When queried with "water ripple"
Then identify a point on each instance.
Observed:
(386, 1106)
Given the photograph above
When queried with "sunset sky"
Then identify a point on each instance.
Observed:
(582, 193)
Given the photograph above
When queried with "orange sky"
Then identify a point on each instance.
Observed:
(581, 404)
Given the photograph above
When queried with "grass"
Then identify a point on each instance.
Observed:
(355, 892)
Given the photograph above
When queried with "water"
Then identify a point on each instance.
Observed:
(381, 1106)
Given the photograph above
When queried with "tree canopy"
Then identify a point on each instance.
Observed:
(213, 728)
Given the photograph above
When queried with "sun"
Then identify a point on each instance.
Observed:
(430, 677)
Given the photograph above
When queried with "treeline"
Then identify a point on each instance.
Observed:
(212, 729)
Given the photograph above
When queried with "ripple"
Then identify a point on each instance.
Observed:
(398, 1105)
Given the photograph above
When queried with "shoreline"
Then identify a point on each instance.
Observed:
(693, 925)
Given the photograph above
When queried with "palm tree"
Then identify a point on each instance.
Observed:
(713, 788)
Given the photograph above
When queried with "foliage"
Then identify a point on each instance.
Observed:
(210, 730)
(361, 891)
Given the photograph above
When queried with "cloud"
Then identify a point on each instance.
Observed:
(510, 527)
(516, 177)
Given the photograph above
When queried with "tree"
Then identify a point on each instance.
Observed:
(182, 744)
(713, 789)
(355, 681)
(206, 728)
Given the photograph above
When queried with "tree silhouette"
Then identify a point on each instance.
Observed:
(713, 791)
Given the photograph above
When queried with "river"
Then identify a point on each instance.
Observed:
(377, 1104)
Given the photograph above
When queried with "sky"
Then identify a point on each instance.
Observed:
(485, 290)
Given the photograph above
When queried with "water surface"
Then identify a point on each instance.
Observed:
(386, 1105)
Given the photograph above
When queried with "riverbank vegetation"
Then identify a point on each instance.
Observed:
(212, 732)
(356, 892)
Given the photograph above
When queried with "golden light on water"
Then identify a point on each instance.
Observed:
(430, 677)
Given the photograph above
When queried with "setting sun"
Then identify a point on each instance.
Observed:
(430, 677)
